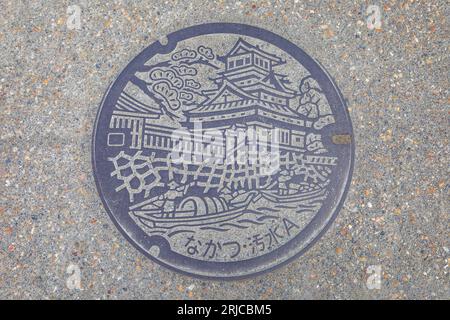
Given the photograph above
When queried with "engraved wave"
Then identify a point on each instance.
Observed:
(180, 231)
(229, 224)
(249, 221)
(214, 228)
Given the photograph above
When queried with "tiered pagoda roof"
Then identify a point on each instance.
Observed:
(248, 89)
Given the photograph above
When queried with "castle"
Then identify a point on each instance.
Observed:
(249, 95)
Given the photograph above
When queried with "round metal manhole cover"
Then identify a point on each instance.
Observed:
(223, 151)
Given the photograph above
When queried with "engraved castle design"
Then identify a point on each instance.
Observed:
(219, 211)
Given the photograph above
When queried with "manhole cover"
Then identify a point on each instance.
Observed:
(223, 151)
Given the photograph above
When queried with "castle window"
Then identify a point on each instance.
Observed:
(284, 136)
(231, 64)
(266, 65)
(247, 60)
(298, 141)
(116, 139)
(239, 62)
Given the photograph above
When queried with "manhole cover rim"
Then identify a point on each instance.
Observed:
(278, 41)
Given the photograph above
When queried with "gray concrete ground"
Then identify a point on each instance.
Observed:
(395, 218)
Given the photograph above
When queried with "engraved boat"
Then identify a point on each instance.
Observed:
(195, 211)
(274, 196)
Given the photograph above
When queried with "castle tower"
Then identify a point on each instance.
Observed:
(250, 93)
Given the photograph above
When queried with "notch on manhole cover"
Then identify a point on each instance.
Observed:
(224, 152)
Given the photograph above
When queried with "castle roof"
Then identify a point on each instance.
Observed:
(242, 46)
(237, 99)
(228, 88)
(230, 106)
(272, 80)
